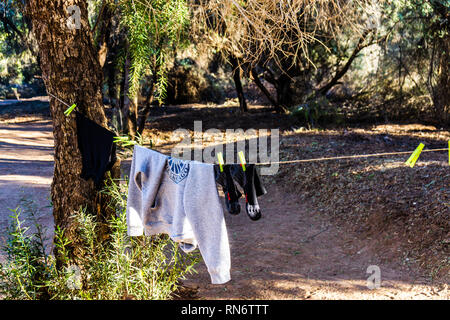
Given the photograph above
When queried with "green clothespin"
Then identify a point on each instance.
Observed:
(415, 155)
(242, 157)
(124, 141)
(69, 111)
(221, 162)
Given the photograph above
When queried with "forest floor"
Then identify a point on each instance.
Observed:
(324, 223)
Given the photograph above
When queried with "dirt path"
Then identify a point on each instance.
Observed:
(295, 253)
(26, 169)
(292, 253)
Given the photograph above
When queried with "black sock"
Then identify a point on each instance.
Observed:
(253, 188)
(232, 194)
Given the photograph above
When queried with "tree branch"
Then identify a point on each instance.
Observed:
(278, 107)
(344, 70)
(7, 22)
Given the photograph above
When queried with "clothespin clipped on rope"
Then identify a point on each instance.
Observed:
(69, 111)
(221, 162)
(124, 141)
(242, 157)
(415, 155)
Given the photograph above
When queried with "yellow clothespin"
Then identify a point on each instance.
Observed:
(242, 157)
(221, 162)
(69, 111)
(415, 155)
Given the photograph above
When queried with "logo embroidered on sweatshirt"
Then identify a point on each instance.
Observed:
(178, 170)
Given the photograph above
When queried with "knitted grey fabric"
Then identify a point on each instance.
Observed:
(179, 198)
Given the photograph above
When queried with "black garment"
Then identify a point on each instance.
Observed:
(249, 181)
(97, 148)
(252, 186)
(232, 194)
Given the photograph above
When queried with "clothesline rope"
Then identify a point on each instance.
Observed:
(346, 157)
(64, 103)
(334, 158)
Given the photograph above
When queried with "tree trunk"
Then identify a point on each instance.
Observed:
(132, 116)
(283, 84)
(72, 72)
(129, 104)
(278, 108)
(439, 75)
(440, 92)
(103, 29)
(124, 98)
(110, 70)
(238, 83)
(443, 100)
(148, 106)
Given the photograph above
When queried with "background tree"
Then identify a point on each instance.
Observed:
(412, 73)
(156, 30)
(282, 41)
(18, 63)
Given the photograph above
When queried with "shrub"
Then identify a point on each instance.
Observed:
(317, 111)
(121, 268)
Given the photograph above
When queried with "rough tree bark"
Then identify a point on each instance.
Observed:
(72, 72)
